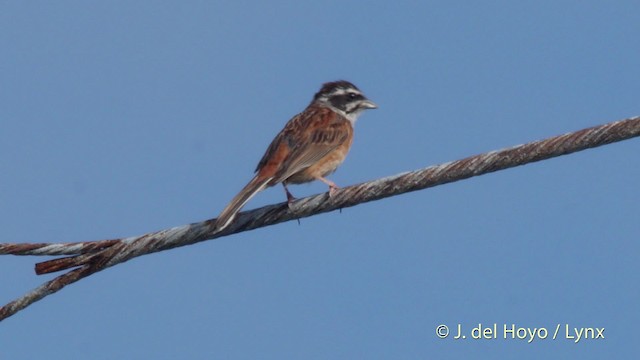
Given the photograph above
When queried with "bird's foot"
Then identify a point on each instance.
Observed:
(332, 190)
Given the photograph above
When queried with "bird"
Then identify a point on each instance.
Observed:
(310, 147)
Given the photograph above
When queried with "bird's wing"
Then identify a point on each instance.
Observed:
(307, 138)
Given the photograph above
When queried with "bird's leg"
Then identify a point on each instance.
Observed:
(290, 198)
(332, 186)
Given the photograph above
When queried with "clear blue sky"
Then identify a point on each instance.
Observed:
(119, 118)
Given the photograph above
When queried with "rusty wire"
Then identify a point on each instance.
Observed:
(93, 256)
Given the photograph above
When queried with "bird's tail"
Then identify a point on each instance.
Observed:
(227, 215)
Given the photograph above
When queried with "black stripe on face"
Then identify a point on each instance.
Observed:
(346, 102)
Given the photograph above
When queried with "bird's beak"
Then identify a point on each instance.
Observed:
(368, 104)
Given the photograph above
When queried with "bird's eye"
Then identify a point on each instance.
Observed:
(352, 95)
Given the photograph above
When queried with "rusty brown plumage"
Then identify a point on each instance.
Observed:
(310, 146)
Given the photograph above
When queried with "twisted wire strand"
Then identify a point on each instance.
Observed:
(74, 248)
(94, 256)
